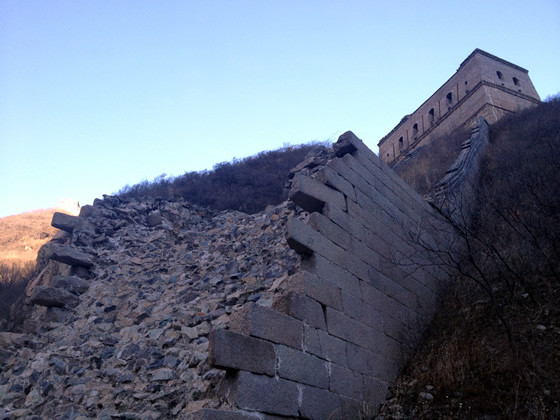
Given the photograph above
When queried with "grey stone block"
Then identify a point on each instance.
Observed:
(344, 171)
(64, 221)
(301, 367)
(372, 317)
(228, 349)
(344, 220)
(333, 349)
(330, 230)
(320, 404)
(316, 288)
(329, 177)
(311, 195)
(360, 146)
(265, 394)
(68, 255)
(334, 274)
(268, 324)
(367, 362)
(311, 341)
(346, 382)
(213, 414)
(345, 144)
(72, 284)
(53, 297)
(351, 330)
(301, 307)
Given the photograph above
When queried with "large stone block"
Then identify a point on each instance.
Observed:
(346, 173)
(346, 382)
(344, 220)
(351, 330)
(305, 239)
(64, 221)
(265, 394)
(301, 307)
(301, 367)
(213, 414)
(268, 324)
(330, 230)
(320, 404)
(333, 349)
(228, 349)
(312, 195)
(316, 288)
(72, 284)
(329, 177)
(68, 255)
(334, 274)
(53, 297)
(367, 362)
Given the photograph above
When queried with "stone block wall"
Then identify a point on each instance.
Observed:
(452, 193)
(483, 86)
(348, 320)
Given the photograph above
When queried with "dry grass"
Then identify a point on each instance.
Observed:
(22, 235)
(493, 351)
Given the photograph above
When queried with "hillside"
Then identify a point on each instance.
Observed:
(118, 321)
(493, 351)
(247, 185)
(22, 235)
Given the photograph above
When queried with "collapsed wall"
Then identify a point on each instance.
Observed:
(154, 308)
(347, 321)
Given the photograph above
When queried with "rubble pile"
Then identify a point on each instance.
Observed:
(117, 320)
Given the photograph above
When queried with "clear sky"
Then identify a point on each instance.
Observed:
(98, 94)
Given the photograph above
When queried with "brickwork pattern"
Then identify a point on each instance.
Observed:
(348, 320)
(483, 86)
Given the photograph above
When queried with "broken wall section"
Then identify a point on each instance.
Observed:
(349, 319)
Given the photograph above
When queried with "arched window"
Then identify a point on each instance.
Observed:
(401, 143)
(499, 74)
(516, 81)
(449, 98)
(415, 131)
(431, 116)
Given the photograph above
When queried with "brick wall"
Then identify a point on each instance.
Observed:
(483, 86)
(349, 319)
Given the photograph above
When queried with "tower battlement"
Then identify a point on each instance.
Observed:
(483, 86)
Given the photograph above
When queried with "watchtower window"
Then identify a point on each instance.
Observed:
(516, 81)
(500, 75)
(415, 131)
(449, 98)
(401, 143)
(431, 116)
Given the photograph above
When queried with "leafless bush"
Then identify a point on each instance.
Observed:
(247, 185)
(493, 350)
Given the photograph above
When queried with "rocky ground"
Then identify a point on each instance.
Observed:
(127, 338)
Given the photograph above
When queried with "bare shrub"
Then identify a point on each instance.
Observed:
(493, 349)
(247, 185)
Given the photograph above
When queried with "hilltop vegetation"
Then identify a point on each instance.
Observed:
(494, 348)
(21, 236)
(247, 185)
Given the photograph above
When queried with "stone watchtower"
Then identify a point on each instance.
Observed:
(483, 86)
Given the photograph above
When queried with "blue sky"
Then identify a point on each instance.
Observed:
(98, 94)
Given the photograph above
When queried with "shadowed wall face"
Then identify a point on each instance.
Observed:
(349, 319)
